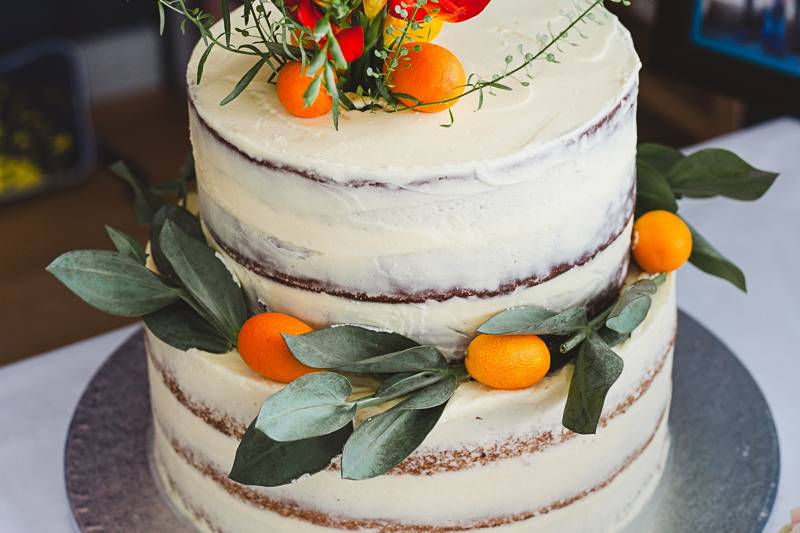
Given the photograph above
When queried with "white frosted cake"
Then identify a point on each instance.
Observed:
(403, 297)
(398, 223)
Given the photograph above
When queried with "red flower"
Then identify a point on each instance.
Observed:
(460, 10)
(396, 6)
(447, 10)
(351, 41)
(305, 12)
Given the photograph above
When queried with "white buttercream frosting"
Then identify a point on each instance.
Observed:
(449, 324)
(562, 98)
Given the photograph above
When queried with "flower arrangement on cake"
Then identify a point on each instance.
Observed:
(344, 55)
(290, 383)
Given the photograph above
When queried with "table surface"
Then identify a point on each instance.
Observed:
(37, 396)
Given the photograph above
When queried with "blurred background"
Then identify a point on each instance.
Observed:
(82, 88)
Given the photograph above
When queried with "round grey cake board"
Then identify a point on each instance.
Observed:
(721, 475)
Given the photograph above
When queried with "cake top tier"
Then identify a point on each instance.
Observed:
(596, 67)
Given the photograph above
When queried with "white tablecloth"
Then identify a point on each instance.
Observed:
(37, 396)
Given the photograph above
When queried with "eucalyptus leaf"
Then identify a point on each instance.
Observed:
(718, 172)
(180, 216)
(408, 360)
(145, 201)
(515, 319)
(534, 320)
(564, 323)
(384, 440)
(181, 327)
(611, 337)
(431, 396)
(112, 282)
(206, 278)
(659, 156)
(631, 307)
(396, 379)
(127, 245)
(653, 191)
(597, 367)
(340, 346)
(406, 383)
(264, 462)
(708, 259)
(312, 405)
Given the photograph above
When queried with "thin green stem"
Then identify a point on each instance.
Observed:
(186, 13)
(594, 324)
(478, 86)
(374, 399)
(391, 68)
(573, 341)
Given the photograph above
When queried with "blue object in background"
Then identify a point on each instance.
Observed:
(765, 37)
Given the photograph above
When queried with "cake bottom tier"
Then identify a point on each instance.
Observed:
(213, 502)
(497, 460)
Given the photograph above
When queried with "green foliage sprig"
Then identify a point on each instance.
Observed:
(192, 301)
(316, 412)
(665, 175)
(597, 366)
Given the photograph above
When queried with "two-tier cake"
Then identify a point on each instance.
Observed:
(400, 320)
(397, 222)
